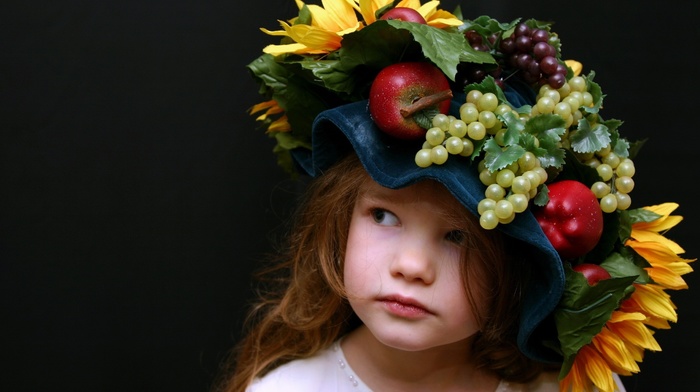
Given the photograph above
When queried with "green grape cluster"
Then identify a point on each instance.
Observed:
(509, 189)
(615, 172)
(478, 117)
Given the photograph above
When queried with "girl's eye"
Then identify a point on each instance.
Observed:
(456, 236)
(384, 217)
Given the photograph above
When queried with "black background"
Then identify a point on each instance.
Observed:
(136, 194)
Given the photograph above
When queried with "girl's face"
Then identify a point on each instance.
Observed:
(402, 267)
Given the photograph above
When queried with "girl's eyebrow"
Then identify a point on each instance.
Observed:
(378, 194)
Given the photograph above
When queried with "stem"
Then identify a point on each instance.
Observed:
(425, 102)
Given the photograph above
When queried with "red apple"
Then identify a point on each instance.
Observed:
(572, 219)
(592, 272)
(401, 90)
(405, 14)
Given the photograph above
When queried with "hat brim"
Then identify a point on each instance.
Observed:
(391, 163)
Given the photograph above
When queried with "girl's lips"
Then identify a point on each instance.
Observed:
(404, 307)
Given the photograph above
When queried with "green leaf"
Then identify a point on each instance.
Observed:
(621, 266)
(635, 147)
(497, 158)
(445, 48)
(596, 92)
(377, 46)
(305, 16)
(589, 139)
(542, 197)
(641, 215)
(584, 310)
(548, 129)
(514, 128)
(334, 75)
(486, 26)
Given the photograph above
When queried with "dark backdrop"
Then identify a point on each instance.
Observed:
(136, 194)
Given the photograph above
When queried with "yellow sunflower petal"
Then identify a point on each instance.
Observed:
(613, 349)
(575, 66)
(313, 37)
(654, 301)
(438, 18)
(651, 236)
(576, 380)
(664, 209)
(262, 106)
(596, 369)
(274, 32)
(276, 50)
(667, 278)
(368, 9)
(442, 19)
(342, 13)
(654, 251)
(631, 328)
(280, 125)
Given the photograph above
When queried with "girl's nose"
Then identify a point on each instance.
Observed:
(415, 261)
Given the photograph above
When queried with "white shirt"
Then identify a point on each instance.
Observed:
(329, 371)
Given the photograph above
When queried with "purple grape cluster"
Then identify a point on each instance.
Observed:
(529, 53)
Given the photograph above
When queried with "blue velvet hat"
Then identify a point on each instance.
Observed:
(390, 162)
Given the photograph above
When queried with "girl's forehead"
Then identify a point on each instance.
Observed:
(424, 191)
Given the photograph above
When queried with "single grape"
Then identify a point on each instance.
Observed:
(458, 128)
(505, 177)
(504, 209)
(611, 159)
(476, 130)
(495, 192)
(423, 157)
(600, 189)
(485, 205)
(557, 80)
(523, 43)
(439, 154)
(454, 145)
(468, 113)
(625, 168)
(487, 177)
(468, 147)
(488, 220)
(488, 118)
(624, 184)
(441, 121)
(519, 201)
(605, 171)
(487, 101)
(608, 203)
(520, 184)
(548, 65)
(577, 83)
(623, 201)
(435, 136)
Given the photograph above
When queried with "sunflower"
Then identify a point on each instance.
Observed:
(327, 26)
(329, 23)
(621, 343)
(271, 108)
(430, 12)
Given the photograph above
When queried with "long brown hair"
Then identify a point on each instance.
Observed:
(302, 306)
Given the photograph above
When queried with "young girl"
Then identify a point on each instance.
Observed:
(394, 276)
(421, 298)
